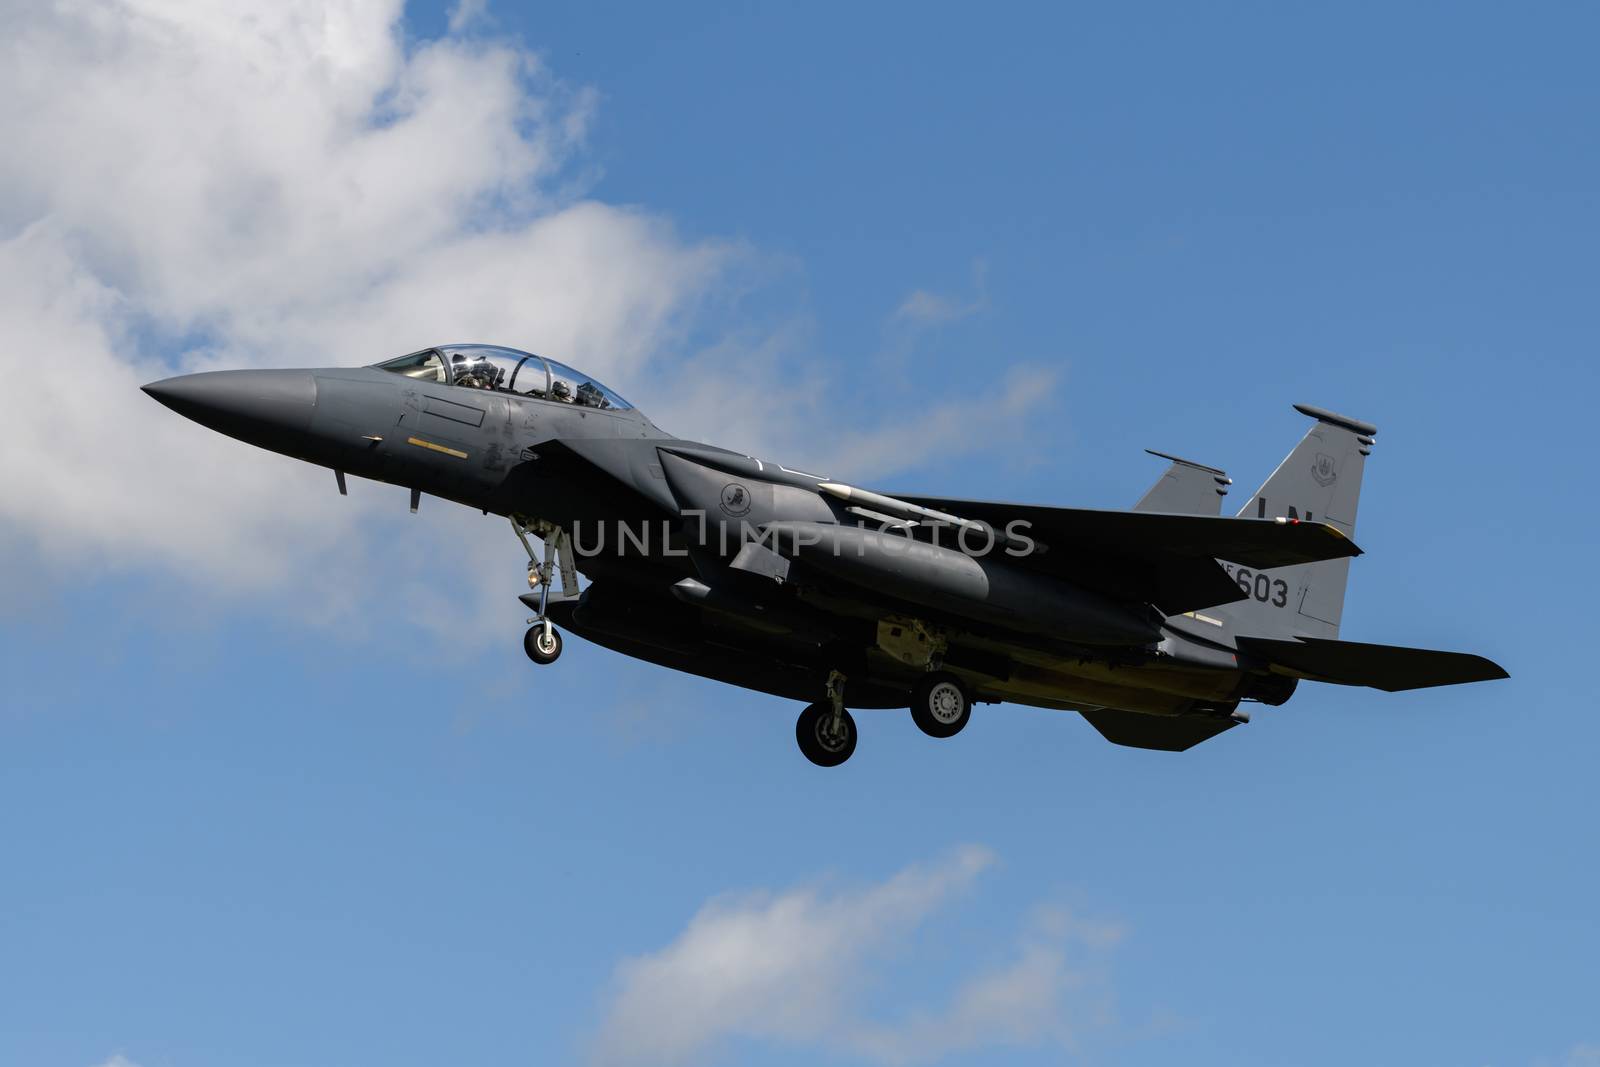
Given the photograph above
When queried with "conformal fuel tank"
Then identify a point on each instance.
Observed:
(992, 587)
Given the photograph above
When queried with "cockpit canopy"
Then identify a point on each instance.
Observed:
(506, 370)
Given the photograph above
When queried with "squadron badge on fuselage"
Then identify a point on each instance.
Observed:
(735, 500)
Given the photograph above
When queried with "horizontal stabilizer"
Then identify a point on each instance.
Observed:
(1388, 667)
(1165, 733)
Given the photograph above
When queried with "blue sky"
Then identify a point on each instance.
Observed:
(278, 786)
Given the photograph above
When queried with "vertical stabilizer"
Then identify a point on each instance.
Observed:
(1186, 488)
(1320, 481)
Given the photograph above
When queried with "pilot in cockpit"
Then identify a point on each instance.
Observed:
(589, 395)
(473, 373)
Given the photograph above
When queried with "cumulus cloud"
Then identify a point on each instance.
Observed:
(274, 184)
(775, 405)
(467, 12)
(190, 185)
(997, 416)
(792, 966)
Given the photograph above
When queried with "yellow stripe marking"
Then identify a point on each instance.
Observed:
(430, 446)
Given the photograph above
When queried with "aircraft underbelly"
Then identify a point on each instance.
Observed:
(1154, 689)
(708, 644)
(729, 664)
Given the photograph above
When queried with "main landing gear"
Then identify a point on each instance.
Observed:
(825, 730)
(939, 705)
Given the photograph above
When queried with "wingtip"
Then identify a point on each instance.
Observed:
(1352, 549)
(1340, 537)
(1484, 669)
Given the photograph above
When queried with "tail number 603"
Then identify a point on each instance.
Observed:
(1263, 587)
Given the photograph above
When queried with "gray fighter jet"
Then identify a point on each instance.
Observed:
(1157, 625)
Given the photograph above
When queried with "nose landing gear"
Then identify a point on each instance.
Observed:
(542, 642)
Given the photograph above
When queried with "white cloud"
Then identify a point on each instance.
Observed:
(792, 967)
(994, 416)
(922, 308)
(755, 395)
(190, 185)
(466, 13)
(275, 184)
(119, 1060)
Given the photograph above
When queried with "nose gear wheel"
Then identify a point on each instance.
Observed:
(542, 643)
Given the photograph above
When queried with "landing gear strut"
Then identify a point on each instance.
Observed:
(825, 731)
(542, 642)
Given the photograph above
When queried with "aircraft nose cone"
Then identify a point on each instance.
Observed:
(264, 407)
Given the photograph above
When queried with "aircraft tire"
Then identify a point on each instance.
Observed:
(538, 649)
(940, 705)
(811, 731)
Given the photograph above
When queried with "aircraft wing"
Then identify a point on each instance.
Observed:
(1257, 543)
(1167, 560)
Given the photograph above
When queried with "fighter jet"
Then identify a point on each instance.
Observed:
(1159, 625)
